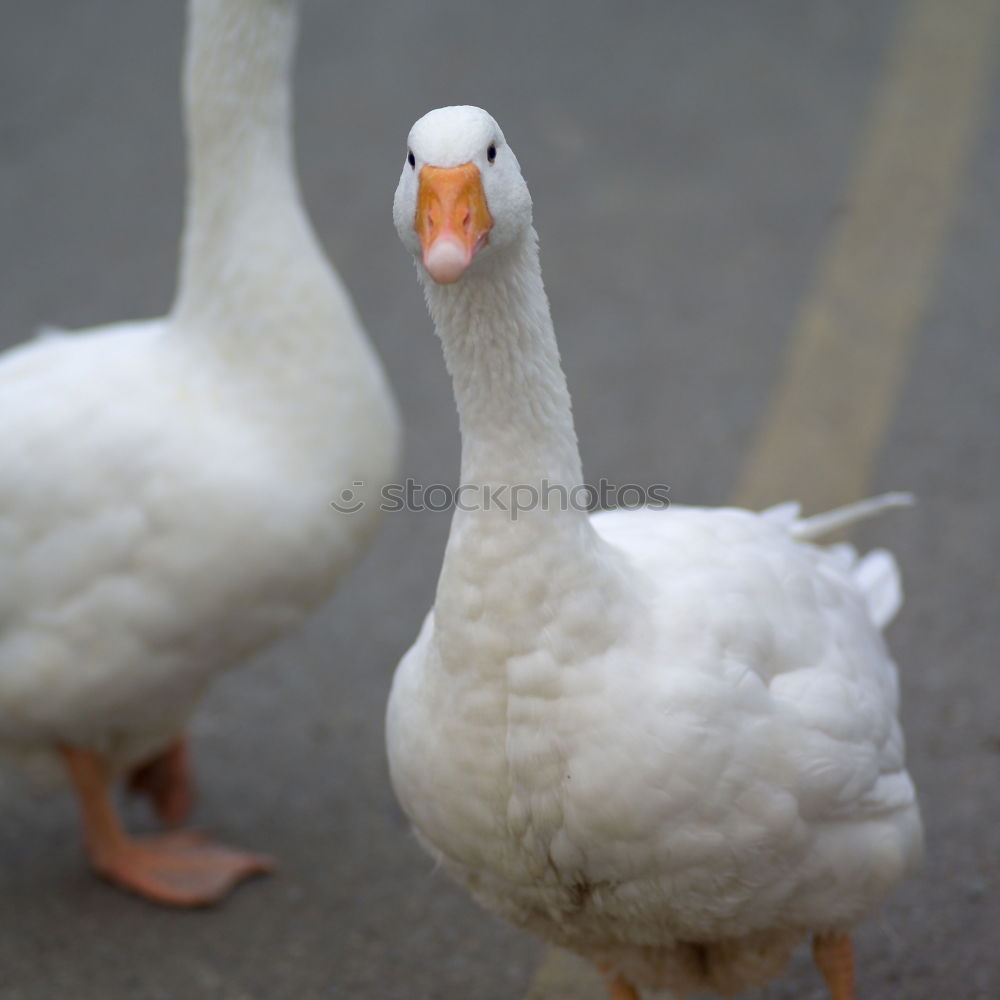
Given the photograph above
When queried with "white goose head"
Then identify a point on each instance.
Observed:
(461, 198)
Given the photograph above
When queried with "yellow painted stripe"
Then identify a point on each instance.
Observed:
(849, 351)
(827, 419)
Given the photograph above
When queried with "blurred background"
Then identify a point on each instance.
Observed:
(699, 173)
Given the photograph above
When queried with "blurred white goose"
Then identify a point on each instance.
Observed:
(665, 739)
(165, 485)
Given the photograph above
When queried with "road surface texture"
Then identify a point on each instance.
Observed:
(743, 209)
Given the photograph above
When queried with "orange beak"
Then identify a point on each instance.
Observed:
(452, 221)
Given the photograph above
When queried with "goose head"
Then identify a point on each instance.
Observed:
(461, 199)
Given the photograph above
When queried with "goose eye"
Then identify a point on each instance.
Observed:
(491, 152)
(411, 159)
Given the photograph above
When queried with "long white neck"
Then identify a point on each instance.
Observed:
(500, 348)
(511, 581)
(249, 256)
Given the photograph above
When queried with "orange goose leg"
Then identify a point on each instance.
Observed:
(619, 988)
(834, 956)
(166, 782)
(178, 869)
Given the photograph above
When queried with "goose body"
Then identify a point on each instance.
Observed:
(664, 738)
(165, 485)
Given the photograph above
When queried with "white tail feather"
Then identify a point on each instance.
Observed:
(809, 528)
(878, 577)
(877, 574)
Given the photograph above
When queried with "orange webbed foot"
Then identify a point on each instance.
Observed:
(182, 868)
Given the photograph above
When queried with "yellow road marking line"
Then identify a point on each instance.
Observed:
(819, 439)
(848, 355)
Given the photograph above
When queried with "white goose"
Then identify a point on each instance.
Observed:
(165, 486)
(665, 739)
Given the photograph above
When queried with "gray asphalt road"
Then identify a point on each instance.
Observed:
(688, 161)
